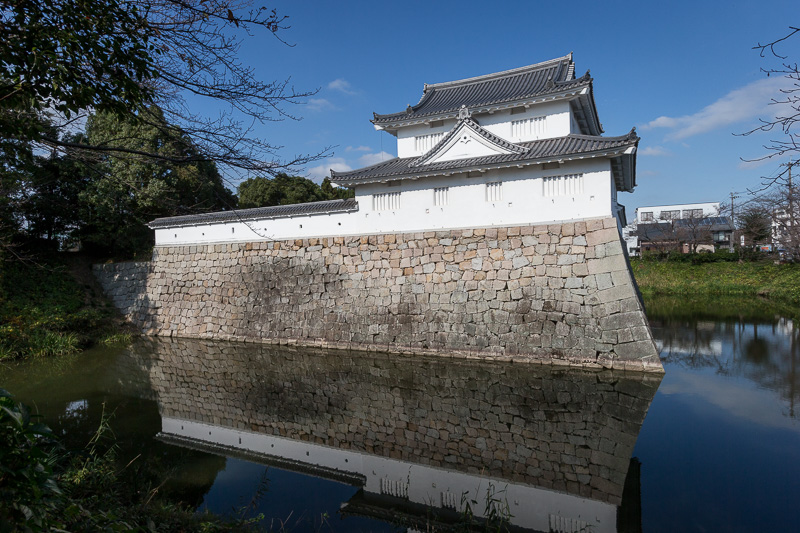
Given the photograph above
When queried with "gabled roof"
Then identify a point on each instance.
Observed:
(277, 211)
(443, 100)
(534, 152)
(467, 123)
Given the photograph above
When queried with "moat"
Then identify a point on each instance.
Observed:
(341, 441)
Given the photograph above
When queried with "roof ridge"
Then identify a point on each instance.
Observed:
(253, 212)
(493, 75)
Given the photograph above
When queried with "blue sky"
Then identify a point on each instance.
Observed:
(683, 73)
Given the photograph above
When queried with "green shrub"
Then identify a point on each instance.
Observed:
(44, 312)
(28, 489)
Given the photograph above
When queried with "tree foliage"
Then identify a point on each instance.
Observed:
(128, 191)
(284, 190)
(121, 56)
(70, 55)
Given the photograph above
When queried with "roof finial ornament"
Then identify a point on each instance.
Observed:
(463, 113)
(550, 83)
(587, 75)
(409, 110)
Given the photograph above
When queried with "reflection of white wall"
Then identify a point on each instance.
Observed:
(530, 507)
(522, 202)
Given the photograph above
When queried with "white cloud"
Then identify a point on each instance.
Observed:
(319, 104)
(340, 164)
(372, 159)
(357, 149)
(320, 172)
(739, 105)
(654, 151)
(341, 86)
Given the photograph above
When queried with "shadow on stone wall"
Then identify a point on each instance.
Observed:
(549, 293)
(568, 430)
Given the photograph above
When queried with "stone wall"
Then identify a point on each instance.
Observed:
(570, 430)
(560, 293)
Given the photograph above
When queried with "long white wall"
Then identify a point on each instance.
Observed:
(556, 122)
(523, 197)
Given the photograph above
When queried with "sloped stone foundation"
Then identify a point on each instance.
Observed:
(559, 293)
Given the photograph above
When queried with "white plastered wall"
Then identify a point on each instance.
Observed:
(521, 202)
(558, 123)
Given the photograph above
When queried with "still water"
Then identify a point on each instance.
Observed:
(336, 441)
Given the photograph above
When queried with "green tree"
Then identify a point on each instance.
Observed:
(334, 193)
(280, 190)
(129, 191)
(69, 55)
(122, 55)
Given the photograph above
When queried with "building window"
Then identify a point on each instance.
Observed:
(386, 201)
(494, 191)
(568, 185)
(670, 215)
(646, 216)
(528, 127)
(423, 143)
(692, 213)
(440, 196)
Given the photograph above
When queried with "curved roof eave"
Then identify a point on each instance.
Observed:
(627, 147)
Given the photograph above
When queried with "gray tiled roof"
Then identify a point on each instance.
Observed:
(278, 211)
(401, 168)
(511, 85)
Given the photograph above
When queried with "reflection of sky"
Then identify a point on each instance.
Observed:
(766, 355)
(718, 454)
(289, 501)
(738, 397)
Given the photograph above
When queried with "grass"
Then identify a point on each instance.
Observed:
(778, 283)
(44, 311)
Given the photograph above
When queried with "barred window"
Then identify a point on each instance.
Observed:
(440, 196)
(494, 191)
(646, 216)
(423, 143)
(567, 185)
(386, 201)
(528, 127)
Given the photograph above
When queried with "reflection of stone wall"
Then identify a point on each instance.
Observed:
(567, 430)
(551, 292)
